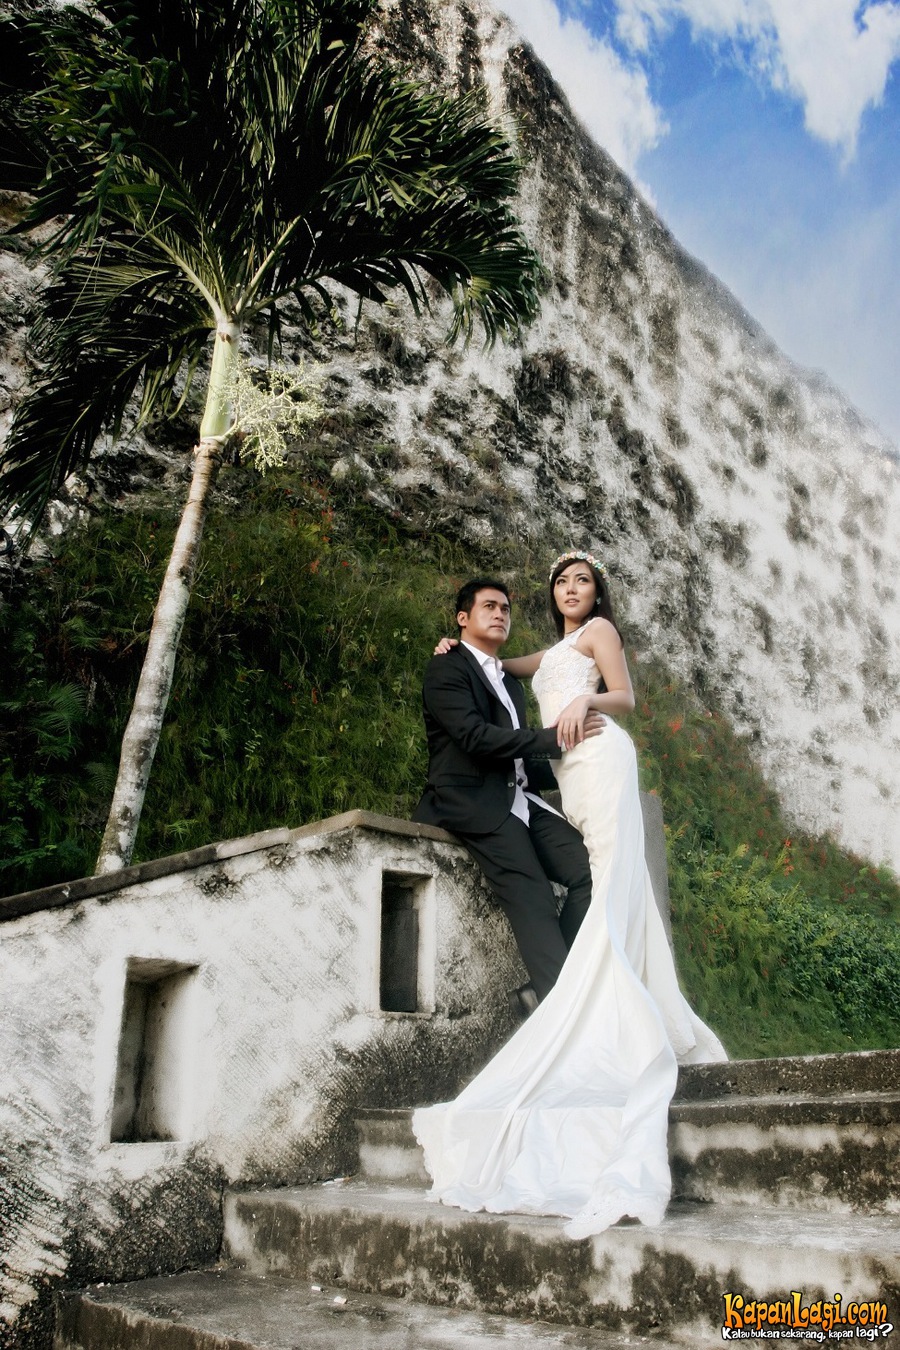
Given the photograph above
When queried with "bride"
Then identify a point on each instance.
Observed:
(570, 1117)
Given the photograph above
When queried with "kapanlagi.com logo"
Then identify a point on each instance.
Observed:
(791, 1319)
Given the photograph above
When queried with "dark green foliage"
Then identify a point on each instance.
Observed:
(297, 697)
(788, 943)
(297, 680)
(716, 799)
(773, 970)
(188, 167)
(851, 961)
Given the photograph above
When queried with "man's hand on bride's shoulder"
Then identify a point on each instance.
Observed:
(445, 645)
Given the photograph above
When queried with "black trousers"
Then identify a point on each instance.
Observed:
(519, 861)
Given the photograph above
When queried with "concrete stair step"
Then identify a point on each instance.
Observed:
(811, 1131)
(667, 1281)
(388, 1149)
(811, 1075)
(230, 1310)
(837, 1153)
(815, 1132)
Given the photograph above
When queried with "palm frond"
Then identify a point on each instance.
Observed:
(413, 183)
(21, 160)
(193, 159)
(112, 326)
(289, 152)
(355, 172)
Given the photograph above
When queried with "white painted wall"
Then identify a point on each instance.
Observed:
(257, 962)
(272, 1036)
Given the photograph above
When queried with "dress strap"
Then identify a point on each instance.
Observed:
(576, 632)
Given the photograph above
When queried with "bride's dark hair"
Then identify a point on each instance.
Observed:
(602, 604)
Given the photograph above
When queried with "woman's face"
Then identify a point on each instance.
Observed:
(575, 593)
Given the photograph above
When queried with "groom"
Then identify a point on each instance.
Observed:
(484, 769)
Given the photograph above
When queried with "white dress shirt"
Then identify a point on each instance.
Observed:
(494, 671)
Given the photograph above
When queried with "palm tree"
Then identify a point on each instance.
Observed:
(188, 164)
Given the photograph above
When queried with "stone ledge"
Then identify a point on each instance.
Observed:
(854, 1071)
(391, 1115)
(230, 1310)
(90, 888)
(861, 1108)
(94, 888)
(666, 1281)
(826, 1153)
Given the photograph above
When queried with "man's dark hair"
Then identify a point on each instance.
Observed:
(466, 597)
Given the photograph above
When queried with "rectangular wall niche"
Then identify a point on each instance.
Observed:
(403, 930)
(149, 1101)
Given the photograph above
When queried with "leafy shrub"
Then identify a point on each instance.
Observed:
(850, 960)
(771, 970)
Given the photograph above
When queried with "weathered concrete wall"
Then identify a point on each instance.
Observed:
(264, 1032)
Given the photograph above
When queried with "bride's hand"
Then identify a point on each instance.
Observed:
(445, 645)
(577, 722)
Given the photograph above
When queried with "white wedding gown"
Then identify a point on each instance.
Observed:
(570, 1117)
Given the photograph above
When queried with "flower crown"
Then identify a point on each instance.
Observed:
(575, 556)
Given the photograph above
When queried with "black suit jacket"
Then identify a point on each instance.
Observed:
(472, 747)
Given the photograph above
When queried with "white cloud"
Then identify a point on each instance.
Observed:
(832, 55)
(837, 68)
(609, 96)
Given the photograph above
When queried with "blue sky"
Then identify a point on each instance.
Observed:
(767, 135)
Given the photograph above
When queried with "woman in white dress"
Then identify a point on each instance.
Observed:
(571, 1116)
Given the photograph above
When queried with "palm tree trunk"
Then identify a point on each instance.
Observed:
(155, 684)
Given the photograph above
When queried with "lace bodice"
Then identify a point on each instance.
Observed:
(563, 674)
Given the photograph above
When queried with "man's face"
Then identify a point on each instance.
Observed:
(486, 626)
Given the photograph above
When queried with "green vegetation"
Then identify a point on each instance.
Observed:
(778, 970)
(297, 696)
(787, 943)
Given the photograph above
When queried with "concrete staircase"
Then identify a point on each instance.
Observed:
(787, 1178)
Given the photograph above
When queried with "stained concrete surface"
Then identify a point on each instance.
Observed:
(865, 1108)
(863, 1071)
(855, 1233)
(816, 1133)
(837, 1152)
(668, 1280)
(229, 1310)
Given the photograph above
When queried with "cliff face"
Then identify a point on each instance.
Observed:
(747, 512)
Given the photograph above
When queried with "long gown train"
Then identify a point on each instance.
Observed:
(570, 1117)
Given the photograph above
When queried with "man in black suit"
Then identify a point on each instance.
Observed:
(484, 770)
